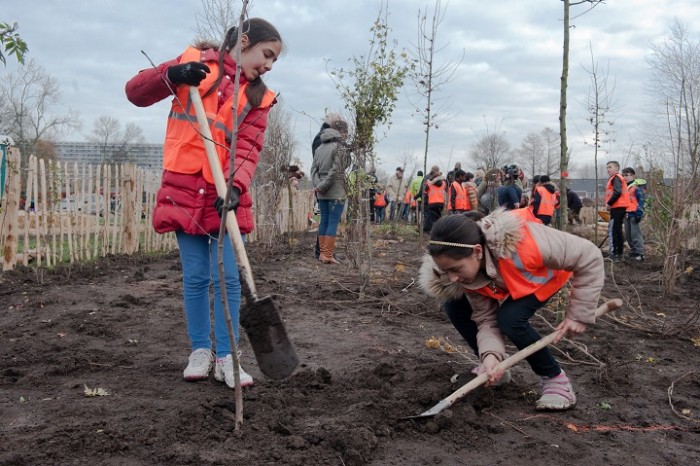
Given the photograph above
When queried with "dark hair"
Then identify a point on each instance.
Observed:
(420, 173)
(460, 172)
(628, 171)
(545, 179)
(460, 228)
(536, 179)
(614, 162)
(257, 30)
(469, 176)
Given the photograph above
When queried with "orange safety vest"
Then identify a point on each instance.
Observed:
(183, 150)
(461, 200)
(436, 194)
(526, 214)
(547, 201)
(634, 203)
(524, 273)
(380, 200)
(408, 198)
(624, 199)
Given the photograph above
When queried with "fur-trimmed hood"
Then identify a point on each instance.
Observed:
(502, 233)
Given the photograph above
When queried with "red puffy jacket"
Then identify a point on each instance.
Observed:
(185, 201)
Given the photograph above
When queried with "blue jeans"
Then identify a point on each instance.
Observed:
(514, 322)
(331, 211)
(405, 210)
(379, 214)
(198, 254)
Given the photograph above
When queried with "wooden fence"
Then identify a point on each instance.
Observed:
(71, 213)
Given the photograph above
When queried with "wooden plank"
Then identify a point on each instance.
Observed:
(43, 206)
(10, 227)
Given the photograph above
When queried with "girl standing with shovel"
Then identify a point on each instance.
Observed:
(495, 272)
(187, 202)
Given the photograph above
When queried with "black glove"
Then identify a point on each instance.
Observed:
(233, 201)
(637, 219)
(190, 73)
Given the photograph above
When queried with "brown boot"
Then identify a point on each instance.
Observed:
(327, 249)
(321, 247)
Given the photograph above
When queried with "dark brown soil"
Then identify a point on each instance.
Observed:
(118, 325)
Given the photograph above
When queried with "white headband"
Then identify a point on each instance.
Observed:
(457, 245)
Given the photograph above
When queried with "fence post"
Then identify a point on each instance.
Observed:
(10, 223)
(130, 231)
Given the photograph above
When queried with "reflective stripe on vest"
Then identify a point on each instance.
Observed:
(524, 273)
(461, 199)
(223, 124)
(634, 203)
(623, 200)
(183, 150)
(436, 194)
(547, 201)
(244, 107)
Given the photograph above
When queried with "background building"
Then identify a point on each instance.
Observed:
(148, 156)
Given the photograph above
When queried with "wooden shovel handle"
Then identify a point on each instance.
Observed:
(220, 182)
(520, 355)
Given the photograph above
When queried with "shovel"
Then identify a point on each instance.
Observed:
(274, 352)
(505, 364)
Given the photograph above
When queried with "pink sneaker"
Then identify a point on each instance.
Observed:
(557, 394)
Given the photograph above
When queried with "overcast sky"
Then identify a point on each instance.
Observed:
(508, 79)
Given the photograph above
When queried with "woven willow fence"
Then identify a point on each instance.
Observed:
(69, 212)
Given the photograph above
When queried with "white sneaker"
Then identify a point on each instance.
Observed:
(557, 394)
(224, 372)
(199, 365)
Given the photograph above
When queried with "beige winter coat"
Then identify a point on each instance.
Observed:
(560, 251)
(395, 188)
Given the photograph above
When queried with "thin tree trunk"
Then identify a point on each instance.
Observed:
(563, 160)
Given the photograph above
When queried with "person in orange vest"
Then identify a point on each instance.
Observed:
(408, 205)
(457, 195)
(616, 201)
(187, 202)
(544, 199)
(381, 199)
(494, 273)
(435, 195)
(635, 211)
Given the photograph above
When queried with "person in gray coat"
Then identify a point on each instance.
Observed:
(328, 177)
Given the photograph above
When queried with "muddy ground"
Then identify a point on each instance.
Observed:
(118, 325)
